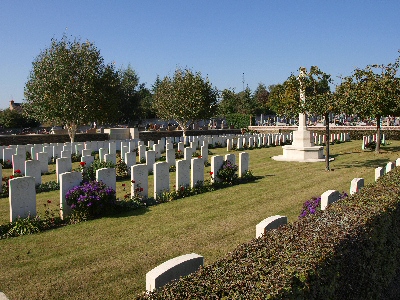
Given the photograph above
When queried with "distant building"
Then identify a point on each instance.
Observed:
(14, 105)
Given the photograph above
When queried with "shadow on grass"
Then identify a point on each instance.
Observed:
(390, 148)
(130, 213)
(372, 163)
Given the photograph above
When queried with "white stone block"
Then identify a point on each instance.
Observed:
(173, 269)
(329, 197)
(379, 171)
(216, 163)
(389, 167)
(270, 223)
(44, 162)
(18, 163)
(150, 159)
(356, 185)
(170, 156)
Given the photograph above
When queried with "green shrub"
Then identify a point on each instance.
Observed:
(348, 251)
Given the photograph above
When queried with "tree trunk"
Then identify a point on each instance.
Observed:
(327, 134)
(378, 134)
(71, 131)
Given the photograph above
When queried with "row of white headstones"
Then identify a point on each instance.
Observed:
(371, 138)
(189, 170)
(189, 263)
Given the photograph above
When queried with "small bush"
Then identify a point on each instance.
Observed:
(228, 172)
(90, 200)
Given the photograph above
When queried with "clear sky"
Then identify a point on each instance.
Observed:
(266, 40)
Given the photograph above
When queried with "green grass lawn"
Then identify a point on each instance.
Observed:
(108, 258)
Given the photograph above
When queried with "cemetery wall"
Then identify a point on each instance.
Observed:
(6, 140)
(349, 251)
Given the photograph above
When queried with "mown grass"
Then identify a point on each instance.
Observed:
(108, 258)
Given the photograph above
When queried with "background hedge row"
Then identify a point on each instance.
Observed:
(349, 251)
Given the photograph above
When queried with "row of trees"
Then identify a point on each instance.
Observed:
(71, 85)
(372, 92)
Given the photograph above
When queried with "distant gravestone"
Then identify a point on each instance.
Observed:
(142, 153)
(86, 152)
(44, 162)
(63, 165)
(204, 153)
(112, 148)
(22, 197)
(7, 154)
(150, 159)
(181, 147)
(102, 152)
(170, 156)
(108, 177)
(379, 172)
(173, 269)
(231, 157)
(389, 167)
(110, 157)
(79, 148)
(88, 160)
(33, 169)
(187, 154)
(130, 160)
(56, 151)
(356, 185)
(18, 163)
(124, 150)
(67, 181)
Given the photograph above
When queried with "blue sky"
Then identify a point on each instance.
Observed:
(265, 40)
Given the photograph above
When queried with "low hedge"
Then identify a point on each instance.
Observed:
(349, 251)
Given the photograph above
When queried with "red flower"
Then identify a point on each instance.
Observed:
(18, 171)
(200, 156)
(211, 173)
(82, 163)
(48, 201)
(179, 151)
(126, 196)
(182, 188)
(133, 181)
(11, 176)
(141, 189)
(123, 184)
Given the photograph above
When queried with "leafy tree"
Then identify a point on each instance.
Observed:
(228, 103)
(372, 92)
(261, 100)
(185, 98)
(69, 84)
(15, 119)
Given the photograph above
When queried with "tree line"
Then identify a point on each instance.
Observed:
(71, 85)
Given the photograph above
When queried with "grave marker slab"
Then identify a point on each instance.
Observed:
(108, 177)
(270, 223)
(161, 178)
(33, 169)
(139, 178)
(67, 181)
(22, 197)
(329, 197)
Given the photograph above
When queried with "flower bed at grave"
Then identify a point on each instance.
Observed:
(349, 251)
(94, 199)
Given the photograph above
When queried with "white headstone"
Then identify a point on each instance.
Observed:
(161, 178)
(150, 159)
(270, 223)
(243, 163)
(63, 165)
(379, 171)
(356, 185)
(197, 172)
(182, 176)
(139, 178)
(110, 157)
(22, 197)
(44, 163)
(108, 177)
(67, 181)
(170, 156)
(216, 163)
(329, 197)
(173, 269)
(33, 169)
(18, 162)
